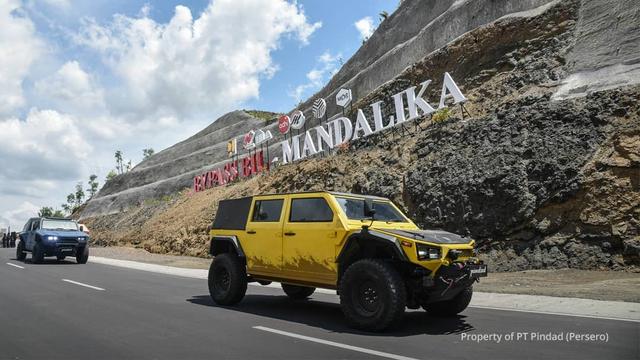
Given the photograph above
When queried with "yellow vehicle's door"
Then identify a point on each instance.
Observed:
(309, 240)
(263, 236)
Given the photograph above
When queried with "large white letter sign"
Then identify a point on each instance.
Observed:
(324, 136)
(416, 101)
(309, 148)
(291, 152)
(377, 117)
(399, 104)
(341, 138)
(361, 125)
(449, 85)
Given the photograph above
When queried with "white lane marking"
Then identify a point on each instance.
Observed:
(85, 285)
(14, 265)
(553, 313)
(334, 344)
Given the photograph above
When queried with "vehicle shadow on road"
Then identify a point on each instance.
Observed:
(329, 316)
(47, 262)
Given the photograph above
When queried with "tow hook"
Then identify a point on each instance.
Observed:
(451, 282)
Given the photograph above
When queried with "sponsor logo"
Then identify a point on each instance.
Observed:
(262, 137)
(319, 108)
(297, 120)
(247, 141)
(343, 97)
(283, 124)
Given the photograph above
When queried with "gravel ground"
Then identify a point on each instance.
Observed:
(597, 285)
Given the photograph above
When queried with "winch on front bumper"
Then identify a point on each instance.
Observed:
(447, 282)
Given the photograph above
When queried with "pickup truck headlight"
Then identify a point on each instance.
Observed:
(426, 252)
(82, 238)
(52, 238)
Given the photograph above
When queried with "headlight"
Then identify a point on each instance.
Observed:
(52, 238)
(82, 239)
(427, 252)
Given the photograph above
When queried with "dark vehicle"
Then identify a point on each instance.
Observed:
(53, 237)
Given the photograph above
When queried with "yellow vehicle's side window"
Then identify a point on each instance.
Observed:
(267, 210)
(310, 210)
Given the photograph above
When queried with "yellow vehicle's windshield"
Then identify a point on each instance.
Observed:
(385, 211)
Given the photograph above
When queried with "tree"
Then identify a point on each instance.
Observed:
(119, 165)
(45, 211)
(93, 185)
(129, 166)
(58, 214)
(111, 175)
(383, 15)
(79, 195)
(146, 153)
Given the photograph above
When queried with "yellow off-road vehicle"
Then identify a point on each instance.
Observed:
(364, 247)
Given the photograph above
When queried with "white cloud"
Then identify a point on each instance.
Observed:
(63, 4)
(365, 27)
(72, 88)
(19, 48)
(17, 217)
(326, 66)
(192, 65)
(46, 145)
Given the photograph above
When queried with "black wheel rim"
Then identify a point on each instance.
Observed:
(222, 280)
(368, 297)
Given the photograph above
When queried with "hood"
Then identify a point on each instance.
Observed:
(62, 233)
(434, 236)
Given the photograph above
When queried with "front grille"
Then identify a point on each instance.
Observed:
(68, 241)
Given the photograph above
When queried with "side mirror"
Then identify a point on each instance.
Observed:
(369, 208)
(81, 228)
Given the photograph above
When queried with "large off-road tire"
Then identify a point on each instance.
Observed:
(451, 307)
(20, 254)
(298, 292)
(37, 255)
(227, 279)
(83, 255)
(372, 295)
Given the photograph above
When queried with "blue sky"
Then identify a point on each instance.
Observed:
(80, 79)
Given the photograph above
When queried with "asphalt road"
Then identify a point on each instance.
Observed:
(48, 312)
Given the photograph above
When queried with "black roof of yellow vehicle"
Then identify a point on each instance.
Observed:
(337, 193)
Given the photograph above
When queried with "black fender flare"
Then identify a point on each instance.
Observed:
(387, 241)
(222, 243)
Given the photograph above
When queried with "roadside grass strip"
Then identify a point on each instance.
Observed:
(335, 344)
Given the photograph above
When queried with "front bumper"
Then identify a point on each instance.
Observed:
(66, 249)
(450, 280)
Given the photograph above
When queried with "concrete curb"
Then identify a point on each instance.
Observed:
(549, 305)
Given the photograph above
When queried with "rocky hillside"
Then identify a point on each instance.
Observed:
(415, 29)
(544, 171)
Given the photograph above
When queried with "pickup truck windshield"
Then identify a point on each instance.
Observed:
(354, 208)
(59, 225)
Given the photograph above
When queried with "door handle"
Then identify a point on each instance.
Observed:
(289, 233)
(251, 231)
